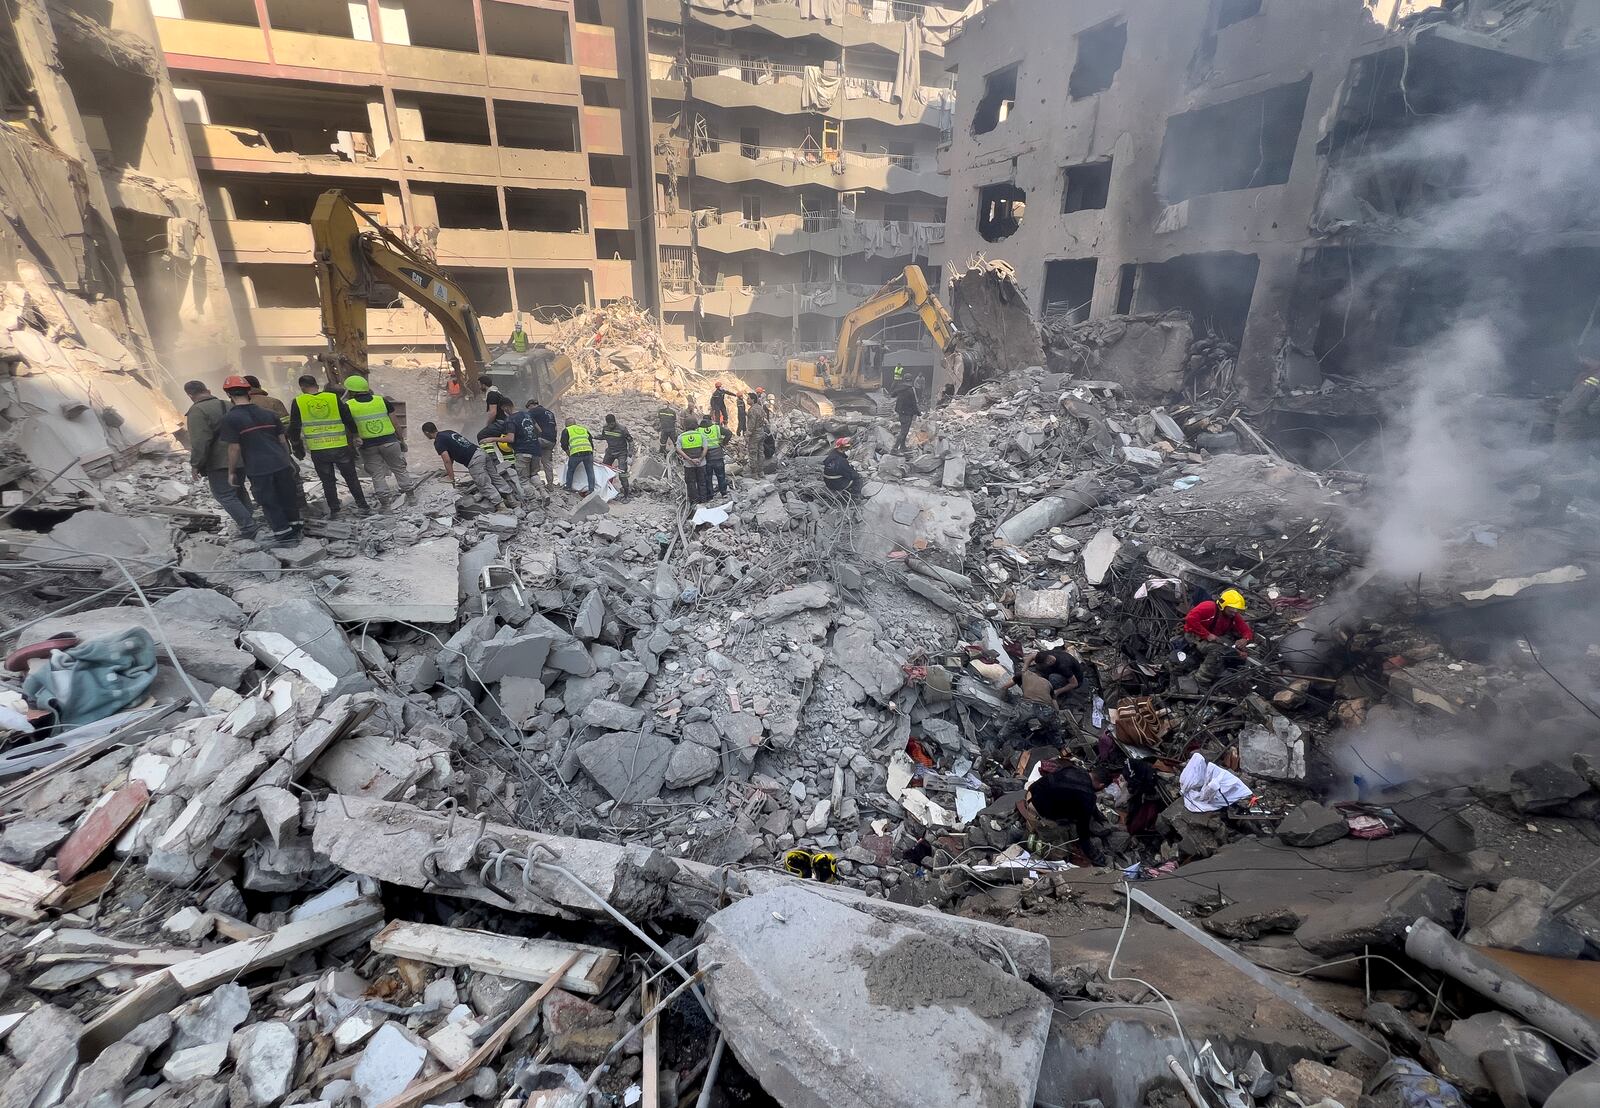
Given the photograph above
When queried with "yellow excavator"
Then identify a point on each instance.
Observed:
(857, 365)
(357, 257)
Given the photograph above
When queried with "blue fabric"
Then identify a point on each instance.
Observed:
(525, 431)
(546, 419)
(455, 445)
(95, 679)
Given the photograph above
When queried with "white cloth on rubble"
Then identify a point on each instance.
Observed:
(1209, 788)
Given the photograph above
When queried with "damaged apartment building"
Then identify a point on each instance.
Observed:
(495, 137)
(795, 165)
(1322, 185)
(110, 283)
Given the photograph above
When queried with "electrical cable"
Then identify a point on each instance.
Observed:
(1111, 975)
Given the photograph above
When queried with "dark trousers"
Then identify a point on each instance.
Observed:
(905, 429)
(343, 460)
(234, 499)
(618, 460)
(573, 462)
(276, 491)
(716, 471)
(694, 477)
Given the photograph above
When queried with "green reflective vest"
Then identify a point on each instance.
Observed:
(578, 439)
(713, 436)
(371, 416)
(519, 341)
(899, 372)
(320, 425)
(692, 439)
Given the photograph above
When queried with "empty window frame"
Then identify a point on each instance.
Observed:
(751, 208)
(1069, 289)
(1242, 144)
(999, 100)
(1000, 211)
(1086, 187)
(750, 143)
(1100, 51)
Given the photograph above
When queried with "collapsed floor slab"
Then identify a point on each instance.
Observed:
(417, 584)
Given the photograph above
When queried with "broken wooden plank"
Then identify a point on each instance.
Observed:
(500, 955)
(650, 1051)
(423, 1091)
(164, 990)
(84, 890)
(25, 895)
(104, 826)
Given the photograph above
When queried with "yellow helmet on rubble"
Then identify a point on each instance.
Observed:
(1232, 599)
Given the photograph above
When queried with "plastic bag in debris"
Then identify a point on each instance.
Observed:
(1209, 788)
(96, 679)
(1417, 1087)
(604, 476)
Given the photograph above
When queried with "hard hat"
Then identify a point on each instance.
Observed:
(235, 382)
(1231, 599)
(356, 383)
(842, 444)
(760, 391)
(718, 385)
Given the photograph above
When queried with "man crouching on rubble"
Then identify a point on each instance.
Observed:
(1062, 796)
(838, 474)
(1215, 631)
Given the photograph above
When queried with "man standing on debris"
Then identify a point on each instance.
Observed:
(493, 398)
(1065, 795)
(907, 409)
(256, 446)
(455, 449)
(263, 399)
(692, 449)
(838, 474)
(667, 426)
(716, 461)
(1213, 629)
(322, 425)
(546, 421)
(719, 405)
(741, 412)
(755, 440)
(383, 447)
(208, 456)
(579, 445)
(527, 446)
(619, 448)
(1579, 412)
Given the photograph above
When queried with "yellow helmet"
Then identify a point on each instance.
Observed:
(1231, 599)
(356, 383)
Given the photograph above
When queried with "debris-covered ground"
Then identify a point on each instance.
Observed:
(604, 800)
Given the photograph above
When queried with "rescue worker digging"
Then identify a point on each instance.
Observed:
(322, 425)
(456, 449)
(383, 447)
(495, 439)
(619, 448)
(579, 445)
(1215, 631)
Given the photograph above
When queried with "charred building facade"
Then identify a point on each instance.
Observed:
(1322, 184)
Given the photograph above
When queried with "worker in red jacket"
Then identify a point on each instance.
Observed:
(1213, 627)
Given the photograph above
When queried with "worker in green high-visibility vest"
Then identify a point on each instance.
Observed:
(320, 424)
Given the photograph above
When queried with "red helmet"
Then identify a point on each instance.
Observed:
(718, 385)
(842, 444)
(235, 383)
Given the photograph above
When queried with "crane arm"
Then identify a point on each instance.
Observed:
(911, 290)
(353, 252)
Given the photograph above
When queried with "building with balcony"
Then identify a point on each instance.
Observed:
(1324, 184)
(795, 146)
(496, 136)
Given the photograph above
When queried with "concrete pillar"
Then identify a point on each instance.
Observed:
(360, 20)
(192, 105)
(1268, 321)
(408, 118)
(392, 22)
(378, 123)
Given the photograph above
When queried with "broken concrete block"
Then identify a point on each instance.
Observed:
(803, 978)
(1098, 555)
(415, 583)
(259, 564)
(1516, 916)
(792, 602)
(519, 697)
(522, 656)
(931, 592)
(214, 1019)
(280, 811)
(1310, 824)
(27, 842)
(1276, 753)
(388, 1064)
(572, 658)
(113, 1068)
(591, 617)
(1378, 912)
(592, 505)
(1545, 787)
(954, 474)
(309, 626)
(857, 655)
(691, 764)
(195, 1062)
(580, 692)
(280, 652)
(306, 552)
(611, 716)
(631, 768)
(912, 517)
(1317, 1082)
(1063, 506)
(200, 606)
(265, 1055)
(249, 719)
(1045, 607)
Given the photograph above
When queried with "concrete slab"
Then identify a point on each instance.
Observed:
(915, 518)
(819, 1003)
(416, 583)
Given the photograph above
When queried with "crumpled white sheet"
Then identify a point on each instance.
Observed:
(1209, 788)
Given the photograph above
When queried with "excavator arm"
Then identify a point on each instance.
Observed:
(353, 254)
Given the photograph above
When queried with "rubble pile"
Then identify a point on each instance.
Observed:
(1155, 355)
(618, 348)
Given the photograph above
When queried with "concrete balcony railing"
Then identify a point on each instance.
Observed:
(387, 328)
(251, 241)
(780, 89)
(343, 55)
(451, 160)
(525, 75)
(490, 246)
(831, 299)
(242, 149)
(866, 23)
(840, 237)
(595, 48)
(200, 38)
(847, 173)
(608, 209)
(602, 130)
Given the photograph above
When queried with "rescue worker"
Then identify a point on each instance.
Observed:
(493, 398)
(907, 409)
(899, 375)
(719, 405)
(456, 449)
(546, 419)
(716, 461)
(838, 474)
(756, 436)
(263, 399)
(321, 424)
(579, 445)
(1061, 670)
(494, 439)
(256, 447)
(208, 456)
(1576, 418)
(619, 448)
(519, 337)
(1213, 629)
(692, 449)
(383, 446)
(527, 445)
(667, 426)
(1065, 795)
(741, 412)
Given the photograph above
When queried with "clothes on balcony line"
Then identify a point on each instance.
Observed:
(818, 90)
